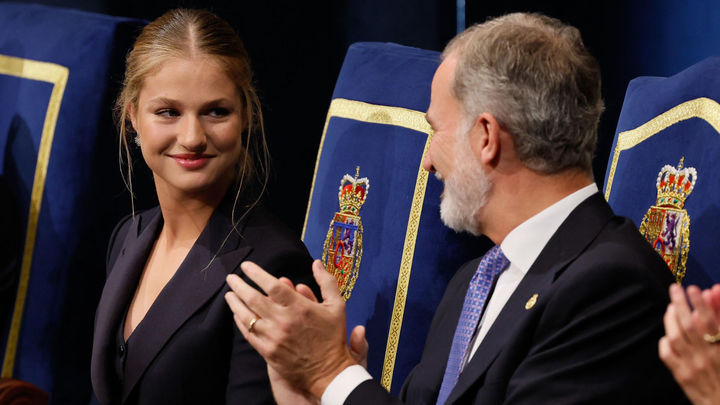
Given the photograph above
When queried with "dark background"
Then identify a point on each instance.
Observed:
(297, 49)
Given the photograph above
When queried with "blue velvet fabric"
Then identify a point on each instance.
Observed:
(389, 156)
(633, 188)
(82, 194)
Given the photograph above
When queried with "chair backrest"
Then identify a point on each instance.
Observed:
(663, 172)
(373, 214)
(60, 189)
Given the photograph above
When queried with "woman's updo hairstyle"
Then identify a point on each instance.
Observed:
(186, 33)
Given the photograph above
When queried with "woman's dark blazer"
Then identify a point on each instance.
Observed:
(187, 349)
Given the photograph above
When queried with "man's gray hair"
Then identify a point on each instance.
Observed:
(535, 76)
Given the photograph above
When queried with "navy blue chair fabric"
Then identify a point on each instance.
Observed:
(373, 215)
(60, 190)
(665, 121)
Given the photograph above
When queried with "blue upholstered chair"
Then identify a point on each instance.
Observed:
(663, 170)
(373, 215)
(60, 190)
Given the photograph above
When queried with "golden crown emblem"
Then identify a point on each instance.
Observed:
(674, 185)
(353, 192)
(342, 250)
(666, 225)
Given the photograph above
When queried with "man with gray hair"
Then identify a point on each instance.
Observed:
(566, 308)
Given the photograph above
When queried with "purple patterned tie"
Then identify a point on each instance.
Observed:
(490, 266)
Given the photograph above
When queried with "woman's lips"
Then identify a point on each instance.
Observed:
(191, 161)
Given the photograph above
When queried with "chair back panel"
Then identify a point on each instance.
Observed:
(60, 186)
(403, 254)
(664, 121)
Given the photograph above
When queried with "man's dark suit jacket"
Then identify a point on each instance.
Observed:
(187, 349)
(590, 338)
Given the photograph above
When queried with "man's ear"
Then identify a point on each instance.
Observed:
(485, 138)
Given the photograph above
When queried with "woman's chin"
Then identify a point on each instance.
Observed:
(194, 189)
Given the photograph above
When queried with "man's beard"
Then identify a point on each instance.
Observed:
(466, 188)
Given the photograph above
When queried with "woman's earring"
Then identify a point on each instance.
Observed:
(137, 139)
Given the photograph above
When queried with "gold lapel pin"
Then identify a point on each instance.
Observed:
(531, 302)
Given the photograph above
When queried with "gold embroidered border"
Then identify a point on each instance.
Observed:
(410, 119)
(702, 107)
(405, 266)
(56, 75)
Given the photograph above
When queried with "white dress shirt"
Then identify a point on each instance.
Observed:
(521, 247)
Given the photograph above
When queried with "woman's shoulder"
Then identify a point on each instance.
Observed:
(275, 246)
(263, 229)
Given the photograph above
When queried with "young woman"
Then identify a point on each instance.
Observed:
(163, 332)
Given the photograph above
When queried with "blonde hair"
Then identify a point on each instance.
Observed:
(187, 33)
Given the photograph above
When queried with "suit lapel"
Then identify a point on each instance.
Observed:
(572, 237)
(201, 275)
(117, 293)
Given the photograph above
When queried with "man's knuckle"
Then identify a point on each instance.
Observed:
(664, 354)
(701, 364)
(304, 312)
(276, 289)
(253, 300)
(675, 340)
(687, 327)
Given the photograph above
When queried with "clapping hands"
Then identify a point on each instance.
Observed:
(302, 340)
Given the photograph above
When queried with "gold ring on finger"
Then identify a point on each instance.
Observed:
(712, 338)
(251, 325)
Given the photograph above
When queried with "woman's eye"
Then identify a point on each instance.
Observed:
(219, 112)
(167, 112)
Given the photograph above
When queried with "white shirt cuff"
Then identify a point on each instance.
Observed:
(343, 384)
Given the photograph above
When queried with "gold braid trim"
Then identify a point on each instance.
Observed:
(703, 108)
(56, 75)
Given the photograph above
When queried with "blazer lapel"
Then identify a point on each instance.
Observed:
(574, 235)
(217, 252)
(117, 293)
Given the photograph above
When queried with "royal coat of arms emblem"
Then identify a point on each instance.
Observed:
(666, 225)
(342, 249)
